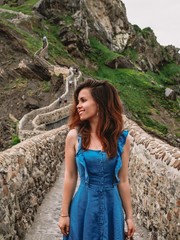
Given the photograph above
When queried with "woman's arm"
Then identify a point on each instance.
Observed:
(123, 186)
(70, 176)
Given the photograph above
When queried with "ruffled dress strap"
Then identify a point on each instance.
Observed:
(80, 158)
(121, 143)
(79, 143)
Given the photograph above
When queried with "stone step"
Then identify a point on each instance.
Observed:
(45, 225)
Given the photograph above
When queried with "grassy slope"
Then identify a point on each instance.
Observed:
(142, 99)
(25, 8)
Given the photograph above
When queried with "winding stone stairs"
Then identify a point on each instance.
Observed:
(36, 121)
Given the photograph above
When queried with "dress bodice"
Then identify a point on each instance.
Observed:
(94, 166)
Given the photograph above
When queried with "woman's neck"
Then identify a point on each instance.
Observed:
(94, 126)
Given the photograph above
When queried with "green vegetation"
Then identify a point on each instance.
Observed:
(153, 125)
(33, 41)
(68, 20)
(56, 48)
(131, 53)
(7, 15)
(147, 32)
(17, 84)
(15, 140)
(25, 8)
(46, 86)
(137, 28)
(101, 52)
(171, 70)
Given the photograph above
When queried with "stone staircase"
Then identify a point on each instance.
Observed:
(36, 121)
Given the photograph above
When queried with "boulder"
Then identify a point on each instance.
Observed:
(31, 103)
(170, 94)
(120, 62)
(33, 71)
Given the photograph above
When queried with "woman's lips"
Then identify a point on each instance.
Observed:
(80, 111)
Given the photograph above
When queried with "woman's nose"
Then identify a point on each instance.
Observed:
(78, 105)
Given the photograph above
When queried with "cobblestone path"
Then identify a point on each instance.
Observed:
(45, 225)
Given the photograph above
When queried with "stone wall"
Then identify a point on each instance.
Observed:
(27, 171)
(41, 120)
(155, 182)
(30, 168)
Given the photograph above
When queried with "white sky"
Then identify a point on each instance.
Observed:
(163, 16)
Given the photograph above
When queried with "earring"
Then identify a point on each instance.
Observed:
(97, 114)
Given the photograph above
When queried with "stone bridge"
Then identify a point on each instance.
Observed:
(29, 170)
(31, 176)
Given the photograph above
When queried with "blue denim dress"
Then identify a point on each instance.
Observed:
(96, 211)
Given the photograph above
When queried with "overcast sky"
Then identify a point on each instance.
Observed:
(163, 16)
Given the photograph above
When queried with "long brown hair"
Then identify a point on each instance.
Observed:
(110, 123)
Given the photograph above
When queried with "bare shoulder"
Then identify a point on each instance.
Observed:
(72, 135)
(128, 140)
(127, 143)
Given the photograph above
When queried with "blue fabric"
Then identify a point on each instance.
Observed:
(96, 211)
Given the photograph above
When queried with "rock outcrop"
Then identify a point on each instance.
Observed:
(150, 54)
(107, 20)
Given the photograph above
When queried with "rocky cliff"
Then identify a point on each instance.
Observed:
(107, 20)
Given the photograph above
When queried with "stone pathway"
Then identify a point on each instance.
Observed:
(45, 225)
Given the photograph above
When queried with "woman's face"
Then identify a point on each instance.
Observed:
(87, 107)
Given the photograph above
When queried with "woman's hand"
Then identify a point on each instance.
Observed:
(64, 225)
(130, 227)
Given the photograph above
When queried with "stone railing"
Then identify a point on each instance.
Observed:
(41, 120)
(155, 182)
(25, 128)
(27, 171)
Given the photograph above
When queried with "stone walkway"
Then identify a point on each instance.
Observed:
(45, 225)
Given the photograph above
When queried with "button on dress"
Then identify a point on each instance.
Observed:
(96, 211)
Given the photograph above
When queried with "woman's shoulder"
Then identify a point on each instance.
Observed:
(71, 138)
(72, 134)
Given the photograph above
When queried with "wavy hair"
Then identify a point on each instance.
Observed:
(110, 123)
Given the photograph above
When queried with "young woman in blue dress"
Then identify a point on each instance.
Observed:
(98, 149)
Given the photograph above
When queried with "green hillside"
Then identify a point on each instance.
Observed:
(142, 93)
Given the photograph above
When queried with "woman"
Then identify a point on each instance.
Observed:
(97, 148)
